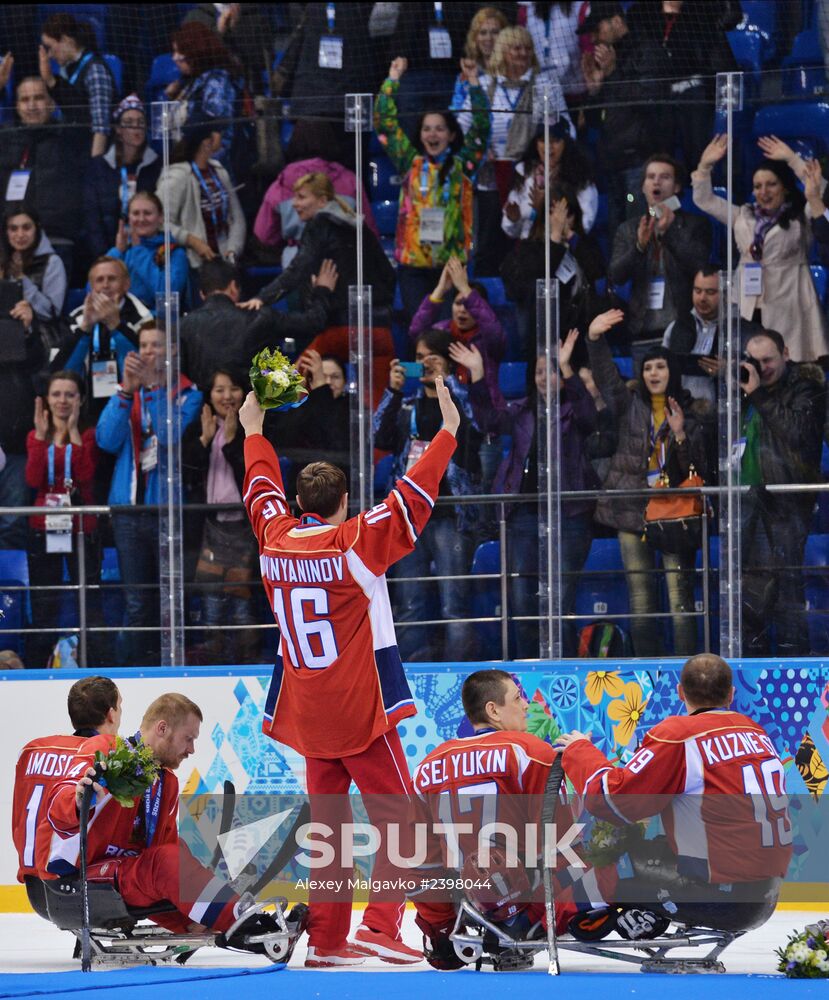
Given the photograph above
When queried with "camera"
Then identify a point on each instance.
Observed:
(755, 364)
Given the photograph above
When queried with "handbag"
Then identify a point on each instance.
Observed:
(673, 523)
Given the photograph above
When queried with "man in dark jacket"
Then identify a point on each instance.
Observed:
(220, 333)
(781, 441)
(692, 336)
(41, 166)
(660, 253)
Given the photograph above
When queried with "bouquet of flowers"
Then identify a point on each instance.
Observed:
(275, 380)
(806, 955)
(130, 771)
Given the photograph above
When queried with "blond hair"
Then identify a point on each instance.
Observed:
(172, 708)
(321, 187)
(471, 50)
(116, 261)
(512, 35)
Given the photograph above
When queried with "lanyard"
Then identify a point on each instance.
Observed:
(125, 192)
(223, 198)
(152, 807)
(67, 468)
(330, 16)
(146, 416)
(96, 341)
(439, 13)
(505, 91)
(656, 433)
(440, 198)
(81, 65)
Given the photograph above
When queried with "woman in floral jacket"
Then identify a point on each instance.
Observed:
(435, 220)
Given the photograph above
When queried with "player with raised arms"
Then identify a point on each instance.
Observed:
(338, 688)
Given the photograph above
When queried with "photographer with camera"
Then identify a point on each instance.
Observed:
(781, 440)
(659, 253)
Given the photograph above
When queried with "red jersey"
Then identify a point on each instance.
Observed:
(114, 831)
(42, 763)
(482, 779)
(718, 784)
(338, 683)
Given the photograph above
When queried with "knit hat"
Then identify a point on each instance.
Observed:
(132, 102)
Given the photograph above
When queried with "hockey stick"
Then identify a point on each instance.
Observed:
(548, 811)
(285, 852)
(225, 821)
(83, 825)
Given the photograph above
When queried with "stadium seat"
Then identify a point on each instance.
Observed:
(760, 18)
(74, 298)
(625, 366)
(807, 120)
(602, 589)
(495, 292)
(116, 67)
(384, 181)
(382, 474)
(512, 379)
(162, 73)
(747, 47)
(385, 215)
(803, 71)
(486, 594)
(15, 604)
(819, 277)
(816, 576)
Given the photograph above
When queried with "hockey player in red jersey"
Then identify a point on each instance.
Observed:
(338, 688)
(94, 706)
(497, 775)
(717, 782)
(137, 849)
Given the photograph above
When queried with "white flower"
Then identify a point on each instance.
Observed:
(798, 952)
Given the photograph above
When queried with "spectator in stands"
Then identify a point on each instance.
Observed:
(140, 244)
(691, 40)
(27, 256)
(817, 209)
(133, 427)
(782, 431)
(472, 322)
(773, 277)
(220, 333)
(210, 85)
(42, 166)
(577, 261)
(553, 28)
(513, 87)
(245, 31)
(128, 166)
(60, 466)
(102, 331)
(435, 219)
(480, 44)
(693, 337)
(660, 432)
(311, 150)
(659, 253)
(518, 474)
(431, 39)
(204, 211)
(213, 461)
(621, 73)
(405, 426)
(568, 165)
(323, 424)
(85, 88)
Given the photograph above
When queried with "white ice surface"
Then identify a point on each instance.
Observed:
(30, 944)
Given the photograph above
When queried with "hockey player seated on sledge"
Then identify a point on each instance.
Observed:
(137, 849)
(717, 783)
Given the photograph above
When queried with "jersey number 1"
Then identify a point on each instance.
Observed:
(315, 638)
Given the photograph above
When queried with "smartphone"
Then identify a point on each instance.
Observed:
(673, 203)
(412, 369)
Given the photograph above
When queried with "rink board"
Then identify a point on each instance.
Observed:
(789, 698)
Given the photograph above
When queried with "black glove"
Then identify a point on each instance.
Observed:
(438, 950)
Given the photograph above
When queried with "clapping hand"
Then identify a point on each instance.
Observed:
(208, 425)
(813, 180)
(133, 376)
(398, 67)
(458, 274)
(469, 71)
(326, 277)
(310, 365)
(675, 416)
(644, 231)
(565, 352)
(775, 149)
(41, 420)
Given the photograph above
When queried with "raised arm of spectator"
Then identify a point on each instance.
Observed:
(397, 144)
(605, 373)
(704, 197)
(387, 436)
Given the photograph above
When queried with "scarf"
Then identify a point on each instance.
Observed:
(762, 224)
(221, 483)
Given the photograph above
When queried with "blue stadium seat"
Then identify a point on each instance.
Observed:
(816, 574)
(116, 67)
(512, 379)
(74, 298)
(162, 73)
(602, 589)
(625, 366)
(760, 17)
(819, 277)
(495, 292)
(16, 606)
(385, 215)
(486, 594)
(747, 47)
(384, 181)
(382, 474)
(807, 120)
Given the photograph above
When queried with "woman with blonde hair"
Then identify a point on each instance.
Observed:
(484, 28)
(514, 86)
